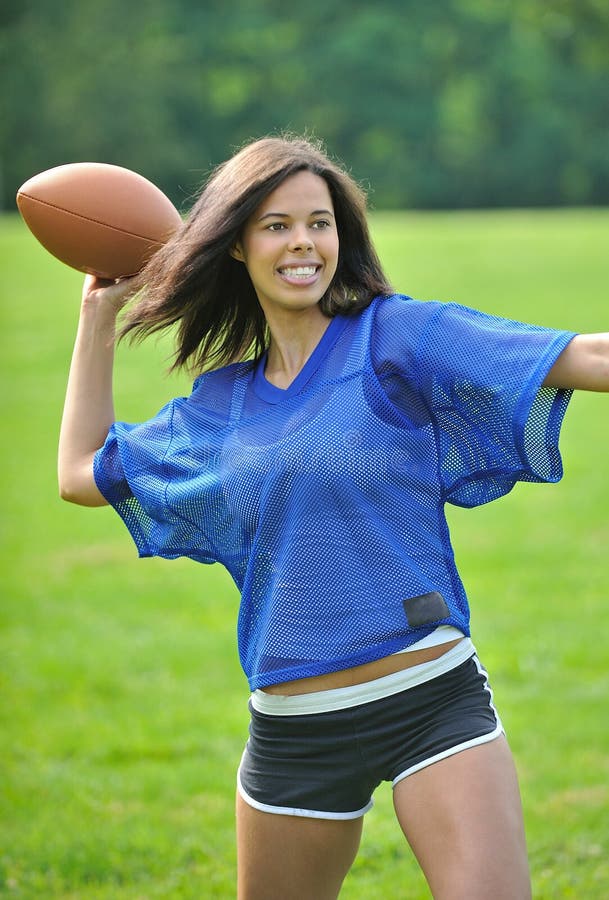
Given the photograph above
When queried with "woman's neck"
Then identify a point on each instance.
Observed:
(294, 337)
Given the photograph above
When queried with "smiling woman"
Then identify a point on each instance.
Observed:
(199, 279)
(298, 248)
(330, 425)
(290, 249)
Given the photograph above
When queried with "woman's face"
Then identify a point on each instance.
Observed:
(290, 244)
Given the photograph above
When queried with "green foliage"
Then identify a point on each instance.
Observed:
(123, 710)
(457, 103)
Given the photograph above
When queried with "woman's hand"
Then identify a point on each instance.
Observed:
(109, 292)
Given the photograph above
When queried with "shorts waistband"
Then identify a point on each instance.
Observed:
(357, 694)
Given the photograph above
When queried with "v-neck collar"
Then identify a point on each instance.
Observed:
(273, 394)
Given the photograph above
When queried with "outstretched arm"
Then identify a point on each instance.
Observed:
(583, 364)
(89, 409)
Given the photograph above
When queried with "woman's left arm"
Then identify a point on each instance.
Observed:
(583, 364)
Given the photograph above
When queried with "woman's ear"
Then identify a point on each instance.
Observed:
(237, 253)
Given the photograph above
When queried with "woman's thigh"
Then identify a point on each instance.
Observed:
(463, 819)
(295, 857)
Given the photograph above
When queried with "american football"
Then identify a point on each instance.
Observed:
(98, 218)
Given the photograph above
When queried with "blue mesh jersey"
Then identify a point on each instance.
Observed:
(325, 501)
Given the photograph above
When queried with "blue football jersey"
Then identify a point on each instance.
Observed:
(325, 501)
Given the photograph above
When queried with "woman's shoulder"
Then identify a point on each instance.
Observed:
(211, 395)
(223, 379)
(391, 306)
(398, 322)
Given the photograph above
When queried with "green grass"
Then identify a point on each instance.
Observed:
(123, 710)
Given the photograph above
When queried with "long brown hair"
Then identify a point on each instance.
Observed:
(194, 282)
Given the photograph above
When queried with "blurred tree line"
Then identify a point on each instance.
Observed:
(431, 103)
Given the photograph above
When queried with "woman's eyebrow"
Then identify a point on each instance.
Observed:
(280, 215)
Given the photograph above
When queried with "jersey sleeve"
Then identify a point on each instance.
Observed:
(134, 473)
(480, 380)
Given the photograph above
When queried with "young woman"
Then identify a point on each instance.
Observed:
(332, 421)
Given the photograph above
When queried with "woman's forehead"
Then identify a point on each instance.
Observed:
(304, 192)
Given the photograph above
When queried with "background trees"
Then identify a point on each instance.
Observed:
(454, 103)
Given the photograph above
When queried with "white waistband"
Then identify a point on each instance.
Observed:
(355, 695)
(443, 634)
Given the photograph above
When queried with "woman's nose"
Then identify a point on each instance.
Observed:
(300, 239)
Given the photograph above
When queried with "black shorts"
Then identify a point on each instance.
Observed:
(328, 764)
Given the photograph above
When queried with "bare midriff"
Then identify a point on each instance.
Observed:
(360, 674)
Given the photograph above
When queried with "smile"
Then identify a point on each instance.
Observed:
(298, 271)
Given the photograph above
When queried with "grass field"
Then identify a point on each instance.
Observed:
(123, 710)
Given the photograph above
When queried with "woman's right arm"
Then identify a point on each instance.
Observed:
(89, 408)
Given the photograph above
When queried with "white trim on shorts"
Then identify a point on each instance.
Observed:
(354, 695)
(458, 748)
(384, 687)
(295, 811)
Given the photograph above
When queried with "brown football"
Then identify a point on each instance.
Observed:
(97, 218)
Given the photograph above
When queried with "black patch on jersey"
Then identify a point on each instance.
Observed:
(425, 609)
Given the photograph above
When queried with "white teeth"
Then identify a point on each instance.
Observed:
(298, 271)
